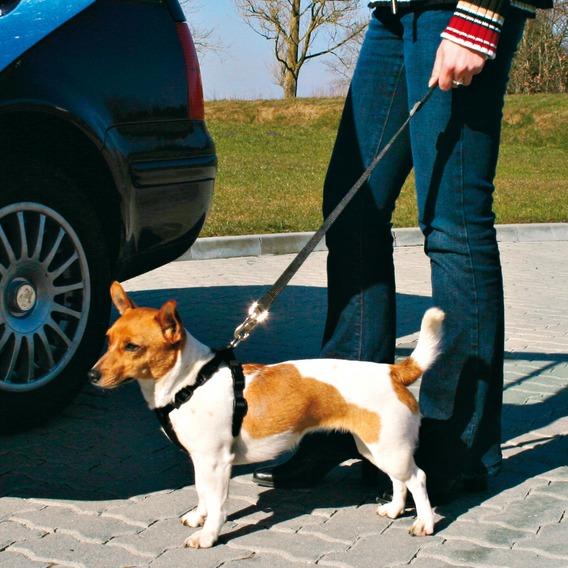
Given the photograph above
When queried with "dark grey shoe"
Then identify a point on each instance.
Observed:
(316, 456)
(297, 473)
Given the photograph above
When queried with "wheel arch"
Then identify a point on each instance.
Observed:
(38, 136)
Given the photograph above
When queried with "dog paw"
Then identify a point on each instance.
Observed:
(390, 510)
(193, 519)
(421, 528)
(200, 539)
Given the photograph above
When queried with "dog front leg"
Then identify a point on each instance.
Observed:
(212, 479)
(196, 517)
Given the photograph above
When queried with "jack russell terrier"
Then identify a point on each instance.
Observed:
(285, 401)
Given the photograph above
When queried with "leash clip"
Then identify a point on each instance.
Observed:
(255, 316)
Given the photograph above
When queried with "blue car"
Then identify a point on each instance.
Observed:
(106, 171)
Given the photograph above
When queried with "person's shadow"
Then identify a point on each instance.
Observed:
(107, 445)
(523, 459)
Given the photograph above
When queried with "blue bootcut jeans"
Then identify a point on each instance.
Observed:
(453, 144)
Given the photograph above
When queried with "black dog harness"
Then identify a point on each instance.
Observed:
(222, 357)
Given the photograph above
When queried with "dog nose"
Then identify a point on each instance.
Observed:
(94, 376)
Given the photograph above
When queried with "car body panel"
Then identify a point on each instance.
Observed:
(103, 81)
(30, 21)
(125, 88)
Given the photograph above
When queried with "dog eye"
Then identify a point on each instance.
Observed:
(131, 347)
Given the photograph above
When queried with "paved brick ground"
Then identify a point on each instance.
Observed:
(102, 487)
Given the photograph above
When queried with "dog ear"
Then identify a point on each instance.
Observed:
(170, 322)
(120, 299)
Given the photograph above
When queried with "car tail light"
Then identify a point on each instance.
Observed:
(195, 103)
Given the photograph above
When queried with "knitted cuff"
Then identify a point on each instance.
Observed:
(477, 26)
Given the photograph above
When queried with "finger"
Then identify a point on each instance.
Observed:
(478, 69)
(474, 68)
(463, 80)
(462, 73)
(445, 79)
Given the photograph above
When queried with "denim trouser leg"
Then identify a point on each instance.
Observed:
(454, 144)
(361, 293)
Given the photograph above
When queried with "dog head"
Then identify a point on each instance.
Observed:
(143, 343)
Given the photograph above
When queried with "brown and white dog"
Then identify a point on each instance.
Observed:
(285, 401)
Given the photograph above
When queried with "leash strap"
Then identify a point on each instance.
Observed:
(258, 311)
(222, 356)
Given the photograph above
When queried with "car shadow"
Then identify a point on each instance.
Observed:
(108, 446)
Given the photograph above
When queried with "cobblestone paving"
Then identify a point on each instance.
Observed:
(100, 486)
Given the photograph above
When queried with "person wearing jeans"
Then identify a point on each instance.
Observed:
(453, 143)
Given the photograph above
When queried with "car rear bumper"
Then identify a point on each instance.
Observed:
(165, 174)
(172, 172)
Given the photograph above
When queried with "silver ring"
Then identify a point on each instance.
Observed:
(457, 83)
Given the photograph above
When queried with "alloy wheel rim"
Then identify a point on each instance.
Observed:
(44, 295)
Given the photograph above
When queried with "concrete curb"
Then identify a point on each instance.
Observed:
(290, 243)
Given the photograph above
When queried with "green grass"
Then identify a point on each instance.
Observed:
(273, 157)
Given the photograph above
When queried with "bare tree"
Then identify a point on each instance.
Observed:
(343, 64)
(301, 30)
(205, 39)
(541, 64)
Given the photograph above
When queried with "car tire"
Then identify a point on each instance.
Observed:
(54, 299)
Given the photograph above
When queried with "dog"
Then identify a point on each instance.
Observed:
(285, 402)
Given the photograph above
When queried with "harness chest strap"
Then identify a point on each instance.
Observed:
(222, 356)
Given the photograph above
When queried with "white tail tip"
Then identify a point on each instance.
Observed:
(430, 335)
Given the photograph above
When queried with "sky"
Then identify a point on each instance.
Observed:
(243, 69)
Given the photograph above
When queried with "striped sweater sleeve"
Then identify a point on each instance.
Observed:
(477, 25)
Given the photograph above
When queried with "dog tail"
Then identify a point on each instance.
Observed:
(425, 352)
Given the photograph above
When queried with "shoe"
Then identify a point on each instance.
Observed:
(295, 473)
(476, 484)
(372, 476)
(317, 455)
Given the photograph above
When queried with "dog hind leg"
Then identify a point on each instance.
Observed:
(424, 524)
(364, 450)
(395, 508)
(399, 465)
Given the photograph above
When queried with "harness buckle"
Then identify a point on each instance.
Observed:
(182, 397)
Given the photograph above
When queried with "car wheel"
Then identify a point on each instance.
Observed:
(54, 307)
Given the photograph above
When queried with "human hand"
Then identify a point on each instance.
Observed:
(455, 64)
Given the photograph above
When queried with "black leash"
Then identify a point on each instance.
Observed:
(258, 311)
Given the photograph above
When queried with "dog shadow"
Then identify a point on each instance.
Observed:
(107, 444)
(342, 488)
